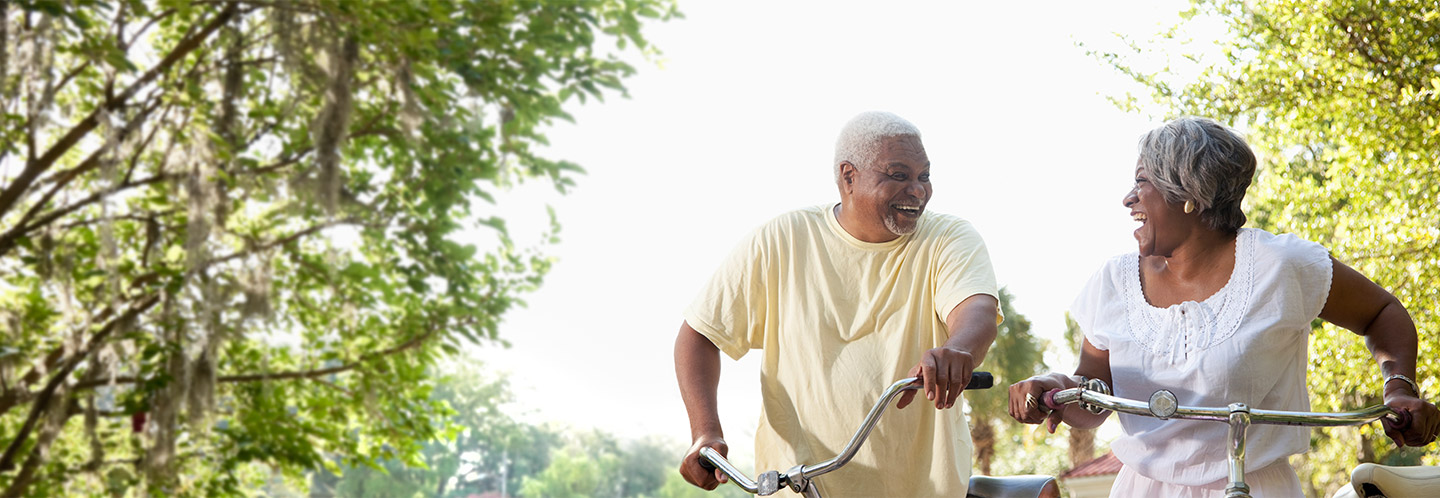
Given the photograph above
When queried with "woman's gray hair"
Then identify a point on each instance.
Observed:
(1200, 160)
(859, 140)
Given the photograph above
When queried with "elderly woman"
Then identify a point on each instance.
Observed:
(1218, 314)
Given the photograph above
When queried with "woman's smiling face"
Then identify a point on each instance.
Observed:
(1159, 231)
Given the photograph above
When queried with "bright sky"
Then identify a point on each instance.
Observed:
(738, 124)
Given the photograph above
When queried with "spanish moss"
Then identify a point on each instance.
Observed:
(165, 406)
(227, 124)
(201, 392)
(109, 256)
(255, 284)
(282, 20)
(35, 76)
(199, 187)
(92, 422)
(411, 112)
(4, 44)
(199, 339)
(333, 122)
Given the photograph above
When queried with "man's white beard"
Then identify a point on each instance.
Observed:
(893, 226)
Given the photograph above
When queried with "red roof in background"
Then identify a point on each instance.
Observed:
(1105, 465)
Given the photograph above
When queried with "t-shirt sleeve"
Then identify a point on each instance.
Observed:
(963, 270)
(731, 309)
(1087, 307)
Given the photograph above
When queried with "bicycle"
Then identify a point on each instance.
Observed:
(800, 478)
(1095, 396)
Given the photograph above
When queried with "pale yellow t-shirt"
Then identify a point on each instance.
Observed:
(838, 320)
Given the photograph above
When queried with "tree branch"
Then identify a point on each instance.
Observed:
(42, 401)
(279, 242)
(310, 374)
(290, 375)
(279, 164)
(9, 239)
(23, 225)
(40, 452)
(35, 167)
(145, 144)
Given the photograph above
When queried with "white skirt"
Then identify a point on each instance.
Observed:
(1277, 480)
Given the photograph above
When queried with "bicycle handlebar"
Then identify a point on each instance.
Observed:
(1163, 405)
(798, 477)
(1094, 395)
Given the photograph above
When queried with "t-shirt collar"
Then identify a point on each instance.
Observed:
(839, 231)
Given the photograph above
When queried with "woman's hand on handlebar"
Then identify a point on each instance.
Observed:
(692, 469)
(1027, 399)
(944, 372)
(1423, 418)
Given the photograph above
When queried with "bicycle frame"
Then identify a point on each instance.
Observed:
(1094, 395)
(799, 478)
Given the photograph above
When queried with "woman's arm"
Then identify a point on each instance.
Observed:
(1094, 363)
(1362, 306)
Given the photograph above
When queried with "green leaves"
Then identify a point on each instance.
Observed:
(192, 182)
(1339, 102)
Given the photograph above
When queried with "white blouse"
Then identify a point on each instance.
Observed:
(1245, 344)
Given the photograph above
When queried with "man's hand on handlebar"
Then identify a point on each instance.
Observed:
(944, 372)
(692, 470)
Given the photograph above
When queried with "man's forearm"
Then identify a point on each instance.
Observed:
(697, 369)
(972, 326)
(973, 340)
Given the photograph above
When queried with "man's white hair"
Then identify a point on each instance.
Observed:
(860, 139)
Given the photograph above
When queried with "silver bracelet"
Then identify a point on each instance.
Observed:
(1413, 386)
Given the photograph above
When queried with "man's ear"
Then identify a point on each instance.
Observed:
(847, 175)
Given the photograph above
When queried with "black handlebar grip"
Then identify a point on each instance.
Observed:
(705, 464)
(980, 380)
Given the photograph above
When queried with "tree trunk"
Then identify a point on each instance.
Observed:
(984, 436)
(1082, 446)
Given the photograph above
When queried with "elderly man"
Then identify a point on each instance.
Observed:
(844, 299)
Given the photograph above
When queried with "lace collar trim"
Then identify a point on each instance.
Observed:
(1177, 331)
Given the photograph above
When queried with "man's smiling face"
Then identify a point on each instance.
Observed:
(890, 195)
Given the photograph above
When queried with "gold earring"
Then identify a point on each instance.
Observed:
(1189, 207)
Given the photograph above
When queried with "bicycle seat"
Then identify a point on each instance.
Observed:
(1370, 480)
(1032, 486)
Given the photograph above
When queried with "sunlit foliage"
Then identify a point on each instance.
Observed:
(229, 230)
(1341, 100)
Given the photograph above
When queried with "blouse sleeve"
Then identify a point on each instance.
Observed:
(1089, 307)
(1310, 270)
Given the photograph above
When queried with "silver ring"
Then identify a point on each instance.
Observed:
(1030, 400)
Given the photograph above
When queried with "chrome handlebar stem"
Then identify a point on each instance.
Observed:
(798, 478)
(902, 385)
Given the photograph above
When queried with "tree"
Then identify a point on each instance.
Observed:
(1082, 441)
(230, 229)
(676, 487)
(488, 451)
(596, 464)
(1015, 355)
(1340, 100)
